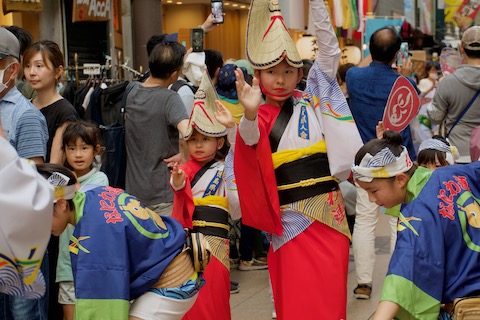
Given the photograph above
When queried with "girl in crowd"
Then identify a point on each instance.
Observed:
(202, 199)
(81, 144)
(437, 231)
(435, 152)
(286, 177)
(43, 67)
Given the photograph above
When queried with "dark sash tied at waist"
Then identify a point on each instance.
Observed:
(304, 178)
(211, 221)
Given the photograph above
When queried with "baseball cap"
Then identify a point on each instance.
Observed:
(226, 81)
(471, 38)
(242, 63)
(9, 45)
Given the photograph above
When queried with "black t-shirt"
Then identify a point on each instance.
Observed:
(55, 115)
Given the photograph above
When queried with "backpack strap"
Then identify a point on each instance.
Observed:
(463, 113)
(123, 106)
(180, 83)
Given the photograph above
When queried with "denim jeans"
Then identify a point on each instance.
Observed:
(18, 308)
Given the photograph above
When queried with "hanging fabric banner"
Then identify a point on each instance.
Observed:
(92, 10)
(22, 6)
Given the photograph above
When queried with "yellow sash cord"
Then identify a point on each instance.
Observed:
(285, 156)
(212, 201)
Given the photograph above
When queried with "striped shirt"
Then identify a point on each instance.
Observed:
(24, 125)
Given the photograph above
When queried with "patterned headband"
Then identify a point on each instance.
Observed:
(61, 190)
(382, 165)
(434, 144)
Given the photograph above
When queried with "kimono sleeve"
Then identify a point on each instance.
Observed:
(415, 277)
(100, 261)
(26, 202)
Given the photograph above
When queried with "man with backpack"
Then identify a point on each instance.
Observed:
(153, 119)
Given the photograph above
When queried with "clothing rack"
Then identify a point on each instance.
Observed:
(103, 68)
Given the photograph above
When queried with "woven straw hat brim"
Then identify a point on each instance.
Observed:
(202, 117)
(268, 38)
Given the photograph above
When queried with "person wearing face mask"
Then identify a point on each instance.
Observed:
(25, 129)
(422, 128)
(24, 126)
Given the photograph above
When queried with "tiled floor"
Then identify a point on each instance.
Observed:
(253, 301)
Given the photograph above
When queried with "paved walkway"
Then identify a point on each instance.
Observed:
(253, 301)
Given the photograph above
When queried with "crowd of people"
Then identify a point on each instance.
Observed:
(294, 149)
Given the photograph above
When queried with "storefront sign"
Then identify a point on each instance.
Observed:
(91, 10)
(22, 6)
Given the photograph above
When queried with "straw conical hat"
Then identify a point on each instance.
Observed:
(202, 117)
(268, 38)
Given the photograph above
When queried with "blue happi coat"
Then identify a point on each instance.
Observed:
(437, 257)
(119, 249)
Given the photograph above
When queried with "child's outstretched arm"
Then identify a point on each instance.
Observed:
(223, 115)
(250, 96)
(178, 177)
(328, 56)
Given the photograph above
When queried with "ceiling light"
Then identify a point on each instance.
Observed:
(235, 5)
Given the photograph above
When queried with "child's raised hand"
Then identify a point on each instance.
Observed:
(178, 176)
(380, 130)
(223, 115)
(250, 96)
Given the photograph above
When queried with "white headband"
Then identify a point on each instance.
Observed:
(382, 165)
(61, 191)
(435, 144)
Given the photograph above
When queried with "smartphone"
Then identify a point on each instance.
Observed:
(196, 38)
(217, 10)
(402, 54)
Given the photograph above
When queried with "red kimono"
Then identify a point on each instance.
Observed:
(213, 300)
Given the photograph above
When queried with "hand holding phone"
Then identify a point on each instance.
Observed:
(402, 54)
(217, 10)
(196, 37)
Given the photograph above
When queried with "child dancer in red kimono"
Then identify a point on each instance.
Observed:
(200, 198)
(286, 179)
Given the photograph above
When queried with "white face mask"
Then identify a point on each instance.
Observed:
(433, 75)
(3, 86)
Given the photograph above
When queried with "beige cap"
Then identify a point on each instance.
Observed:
(268, 38)
(202, 117)
(471, 38)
